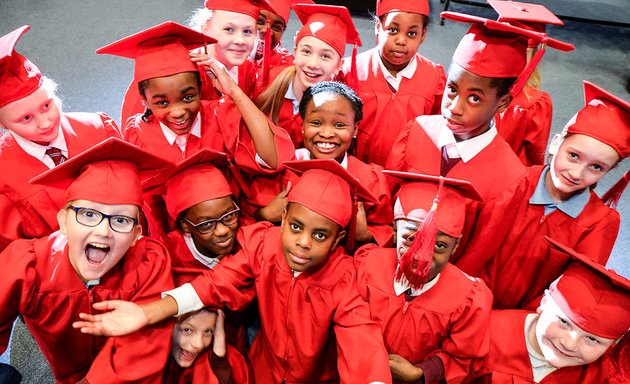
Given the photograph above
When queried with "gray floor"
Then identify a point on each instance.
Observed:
(65, 34)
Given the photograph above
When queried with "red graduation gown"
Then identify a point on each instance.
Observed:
(40, 284)
(525, 125)
(449, 321)
(279, 59)
(30, 210)
(132, 103)
(338, 341)
(385, 112)
(292, 123)
(201, 371)
(515, 260)
(508, 360)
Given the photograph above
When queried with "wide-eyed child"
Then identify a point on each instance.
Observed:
(395, 82)
(331, 112)
(556, 200)
(97, 254)
(199, 353)
(299, 272)
(568, 340)
(434, 317)
(37, 136)
(319, 48)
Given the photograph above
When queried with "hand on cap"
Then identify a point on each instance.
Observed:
(273, 211)
(217, 72)
(362, 235)
(402, 369)
(123, 318)
(219, 346)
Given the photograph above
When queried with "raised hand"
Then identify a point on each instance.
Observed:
(122, 318)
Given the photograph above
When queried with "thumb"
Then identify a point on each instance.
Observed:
(286, 190)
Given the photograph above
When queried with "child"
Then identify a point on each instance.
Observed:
(435, 317)
(96, 255)
(319, 47)
(526, 122)
(191, 360)
(232, 23)
(330, 113)
(315, 327)
(555, 200)
(39, 136)
(396, 83)
(578, 320)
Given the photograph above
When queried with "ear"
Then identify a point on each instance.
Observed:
(557, 140)
(62, 215)
(340, 236)
(504, 102)
(378, 27)
(284, 215)
(137, 232)
(185, 227)
(424, 34)
(543, 302)
(456, 245)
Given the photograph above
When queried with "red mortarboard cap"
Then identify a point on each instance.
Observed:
(418, 191)
(159, 51)
(604, 117)
(526, 15)
(246, 7)
(596, 299)
(19, 77)
(282, 8)
(108, 173)
(330, 23)
(412, 6)
(498, 50)
(327, 188)
(191, 181)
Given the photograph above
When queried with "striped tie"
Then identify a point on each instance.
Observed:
(56, 155)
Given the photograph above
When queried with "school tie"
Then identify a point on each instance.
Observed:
(409, 295)
(447, 163)
(56, 155)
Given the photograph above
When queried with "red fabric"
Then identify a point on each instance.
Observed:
(515, 260)
(386, 6)
(19, 76)
(279, 59)
(508, 360)
(246, 7)
(525, 125)
(30, 210)
(292, 123)
(385, 112)
(40, 284)
(287, 347)
(132, 103)
(201, 372)
(331, 24)
(449, 321)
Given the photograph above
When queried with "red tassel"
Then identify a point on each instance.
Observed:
(421, 251)
(612, 197)
(352, 227)
(267, 53)
(518, 85)
(352, 80)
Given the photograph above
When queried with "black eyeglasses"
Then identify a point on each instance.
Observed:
(91, 218)
(208, 226)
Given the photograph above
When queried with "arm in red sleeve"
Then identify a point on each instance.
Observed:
(380, 216)
(436, 108)
(537, 128)
(396, 160)
(11, 225)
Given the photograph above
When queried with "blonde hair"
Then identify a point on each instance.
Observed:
(199, 19)
(535, 78)
(271, 99)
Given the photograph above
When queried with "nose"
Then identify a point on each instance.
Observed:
(239, 38)
(326, 131)
(400, 39)
(569, 342)
(177, 111)
(454, 106)
(304, 240)
(196, 341)
(575, 173)
(103, 228)
(221, 229)
(313, 61)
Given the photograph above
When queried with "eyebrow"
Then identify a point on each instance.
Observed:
(479, 90)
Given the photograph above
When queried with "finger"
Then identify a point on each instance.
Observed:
(107, 305)
(90, 318)
(286, 190)
(82, 324)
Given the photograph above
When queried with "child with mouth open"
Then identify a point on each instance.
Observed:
(97, 254)
(314, 325)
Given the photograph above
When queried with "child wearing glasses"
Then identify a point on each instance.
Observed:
(206, 222)
(97, 254)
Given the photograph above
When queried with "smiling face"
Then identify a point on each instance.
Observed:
(174, 100)
(445, 245)
(469, 103)
(93, 251)
(35, 117)
(276, 23)
(192, 336)
(235, 33)
(578, 162)
(315, 61)
(329, 126)
(308, 238)
(562, 342)
(398, 37)
(220, 241)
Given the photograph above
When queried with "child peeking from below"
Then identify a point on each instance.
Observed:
(582, 315)
(299, 272)
(433, 316)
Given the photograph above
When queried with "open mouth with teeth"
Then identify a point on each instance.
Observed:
(96, 253)
(187, 355)
(326, 147)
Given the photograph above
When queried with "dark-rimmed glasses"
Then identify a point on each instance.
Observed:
(91, 218)
(208, 226)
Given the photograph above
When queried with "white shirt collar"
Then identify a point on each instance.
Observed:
(540, 365)
(466, 149)
(38, 151)
(401, 286)
(304, 154)
(209, 262)
(171, 136)
(290, 95)
(407, 72)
